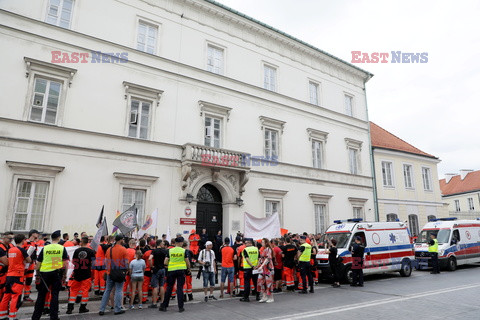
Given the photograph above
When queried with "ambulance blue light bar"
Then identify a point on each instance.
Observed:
(348, 220)
(445, 219)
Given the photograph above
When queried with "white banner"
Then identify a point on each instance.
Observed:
(258, 228)
(150, 222)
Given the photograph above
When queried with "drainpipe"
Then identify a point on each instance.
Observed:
(370, 150)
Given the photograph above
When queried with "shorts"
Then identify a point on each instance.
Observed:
(208, 277)
(227, 272)
(278, 275)
(158, 278)
(135, 278)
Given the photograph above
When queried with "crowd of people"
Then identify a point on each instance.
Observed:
(128, 272)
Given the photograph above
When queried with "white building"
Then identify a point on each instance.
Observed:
(116, 102)
(462, 193)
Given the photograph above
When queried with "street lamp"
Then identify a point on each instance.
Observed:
(189, 198)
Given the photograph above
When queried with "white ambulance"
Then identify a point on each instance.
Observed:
(388, 247)
(458, 243)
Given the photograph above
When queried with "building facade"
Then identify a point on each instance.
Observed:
(462, 193)
(184, 106)
(406, 181)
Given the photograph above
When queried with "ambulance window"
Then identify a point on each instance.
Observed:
(361, 235)
(455, 237)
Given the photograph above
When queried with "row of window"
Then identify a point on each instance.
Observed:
(408, 176)
(471, 205)
(412, 221)
(31, 203)
(60, 13)
(47, 100)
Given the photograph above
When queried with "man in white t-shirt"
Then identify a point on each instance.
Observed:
(207, 259)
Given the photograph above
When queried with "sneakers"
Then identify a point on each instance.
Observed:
(119, 312)
(212, 297)
(264, 299)
(131, 307)
(140, 306)
(206, 299)
(153, 306)
(181, 310)
(245, 300)
(270, 299)
(162, 309)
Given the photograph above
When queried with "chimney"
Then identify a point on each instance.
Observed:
(449, 176)
(464, 172)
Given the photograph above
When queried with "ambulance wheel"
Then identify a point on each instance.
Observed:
(348, 275)
(452, 264)
(406, 270)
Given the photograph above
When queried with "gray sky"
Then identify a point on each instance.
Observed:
(434, 106)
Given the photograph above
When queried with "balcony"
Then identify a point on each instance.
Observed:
(214, 157)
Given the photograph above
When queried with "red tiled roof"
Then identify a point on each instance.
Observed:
(383, 139)
(456, 185)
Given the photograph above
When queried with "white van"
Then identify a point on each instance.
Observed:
(458, 243)
(388, 247)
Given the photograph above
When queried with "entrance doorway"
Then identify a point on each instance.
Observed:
(209, 211)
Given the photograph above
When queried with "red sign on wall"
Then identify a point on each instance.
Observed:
(188, 221)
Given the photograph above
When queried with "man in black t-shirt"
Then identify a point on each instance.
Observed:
(289, 253)
(157, 263)
(82, 276)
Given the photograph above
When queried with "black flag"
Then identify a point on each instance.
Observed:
(127, 221)
(100, 218)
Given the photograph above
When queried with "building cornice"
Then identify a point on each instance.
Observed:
(405, 154)
(460, 193)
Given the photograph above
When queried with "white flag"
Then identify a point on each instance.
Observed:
(259, 228)
(169, 237)
(150, 222)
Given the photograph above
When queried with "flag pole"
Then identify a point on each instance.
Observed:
(156, 225)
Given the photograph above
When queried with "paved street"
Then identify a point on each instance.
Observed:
(451, 295)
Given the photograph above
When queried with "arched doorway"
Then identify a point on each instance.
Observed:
(209, 210)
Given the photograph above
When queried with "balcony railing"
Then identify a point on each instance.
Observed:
(214, 157)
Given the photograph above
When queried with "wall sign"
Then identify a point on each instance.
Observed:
(188, 211)
(188, 221)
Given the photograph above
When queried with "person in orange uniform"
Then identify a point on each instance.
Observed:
(147, 276)
(81, 276)
(99, 266)
(17, 258)
(31, 242)
(131, 255)
(187, 288)
(5, 245)
(193, 239)
(240, 269)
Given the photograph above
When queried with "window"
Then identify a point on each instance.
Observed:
(353, 160)
(408, 176)
(413, 224)
(59, 13)
(349, 105)
(139, 119)
(392, 217)
(314, 93)
(140, 111)
(269, 78)
(46, 97)
(271, 207)
(215, 60)
(271, 143)
(431, 217)
(317, 152)
(137, 197)
(147, 37)
(387, 173)
(320, 218)
(457, 205)
(471, 207)
(47, 87)
(427, 179)
(30, 204)
(212, 132)
(358, 212)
